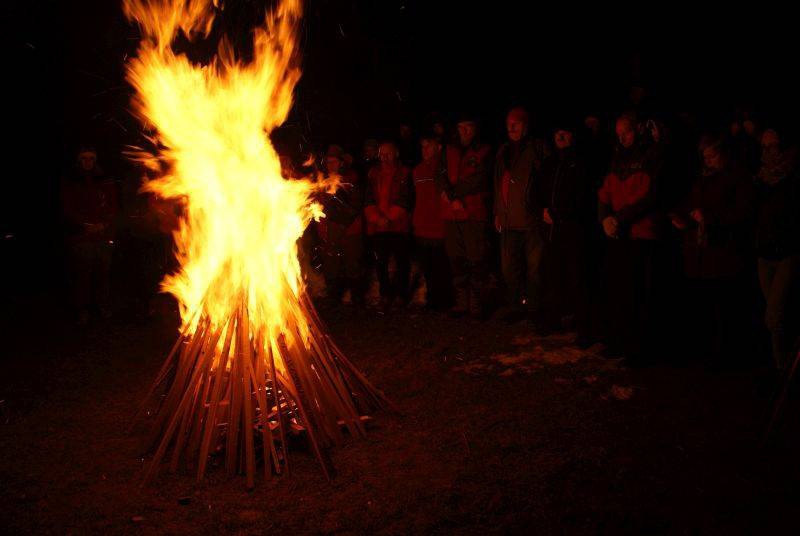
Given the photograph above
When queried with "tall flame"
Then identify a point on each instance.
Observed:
(242, 219)
(253, 357)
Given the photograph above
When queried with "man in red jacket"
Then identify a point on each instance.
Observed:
(90, 203)
(386, 207)
(629, 212)
(429, 225)
(465, 190)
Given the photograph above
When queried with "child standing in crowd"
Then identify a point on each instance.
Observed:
(341, 231)
(428, 224)
(387, 206)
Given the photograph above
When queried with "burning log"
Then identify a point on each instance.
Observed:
(253, 363)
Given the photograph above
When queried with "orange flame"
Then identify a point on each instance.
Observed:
(237, 240)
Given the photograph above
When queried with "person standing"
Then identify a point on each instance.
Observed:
(465, 189)
(778, 243)
(517, 166)
(429, 226)
(628, 212)
(715, 221)
(387, 204)
(90, 203)
(563, 201)
(342, 231)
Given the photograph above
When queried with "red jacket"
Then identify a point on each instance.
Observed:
(428, 205)
(387, 197)
(468, 181)
(628, 193)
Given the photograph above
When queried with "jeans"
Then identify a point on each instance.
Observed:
(520, 260)
(435, 268)
(778, 283)
(386, 246)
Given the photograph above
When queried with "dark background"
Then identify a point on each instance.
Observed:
(368, 65)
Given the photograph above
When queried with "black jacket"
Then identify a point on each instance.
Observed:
(523, 161)
(566, 190)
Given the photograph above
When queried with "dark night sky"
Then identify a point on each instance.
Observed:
(368, 63)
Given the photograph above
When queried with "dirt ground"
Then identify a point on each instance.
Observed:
(503, 432)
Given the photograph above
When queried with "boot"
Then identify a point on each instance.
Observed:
(461, 302)
(475, 303)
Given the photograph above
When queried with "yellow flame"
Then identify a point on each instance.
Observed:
(237, 240)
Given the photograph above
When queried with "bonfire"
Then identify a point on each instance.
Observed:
(253, 364)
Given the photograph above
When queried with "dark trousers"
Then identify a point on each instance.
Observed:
(342, 263)
(566, 280)
(466, 244)
(779, 285)
(720, 328)
(90, 268)
(387, 246)
(520, 260)
(630, 270)
(435, 267)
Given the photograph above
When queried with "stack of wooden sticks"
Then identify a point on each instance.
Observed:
(227, 389)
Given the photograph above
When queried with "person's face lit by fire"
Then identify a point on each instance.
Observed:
(562, 139)
(370, 152)
(387, 154)
(770, 145)
(749, 127)
(466, 132)
(438, 129)
(333, 164)
(87, 160)
(431, 149)
(592, 123)
(770, 139)
(712, 158)
(626, 133)
(516, 128)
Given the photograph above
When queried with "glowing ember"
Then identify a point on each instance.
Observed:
(253, 356)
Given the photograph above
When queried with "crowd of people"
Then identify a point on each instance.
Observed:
(650, 236)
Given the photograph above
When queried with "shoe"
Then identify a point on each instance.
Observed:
(400, 302)
(82, 318)
(461, 305)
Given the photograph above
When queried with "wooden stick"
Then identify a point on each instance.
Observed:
(211, 417)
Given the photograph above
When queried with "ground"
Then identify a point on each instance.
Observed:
(502, 431)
